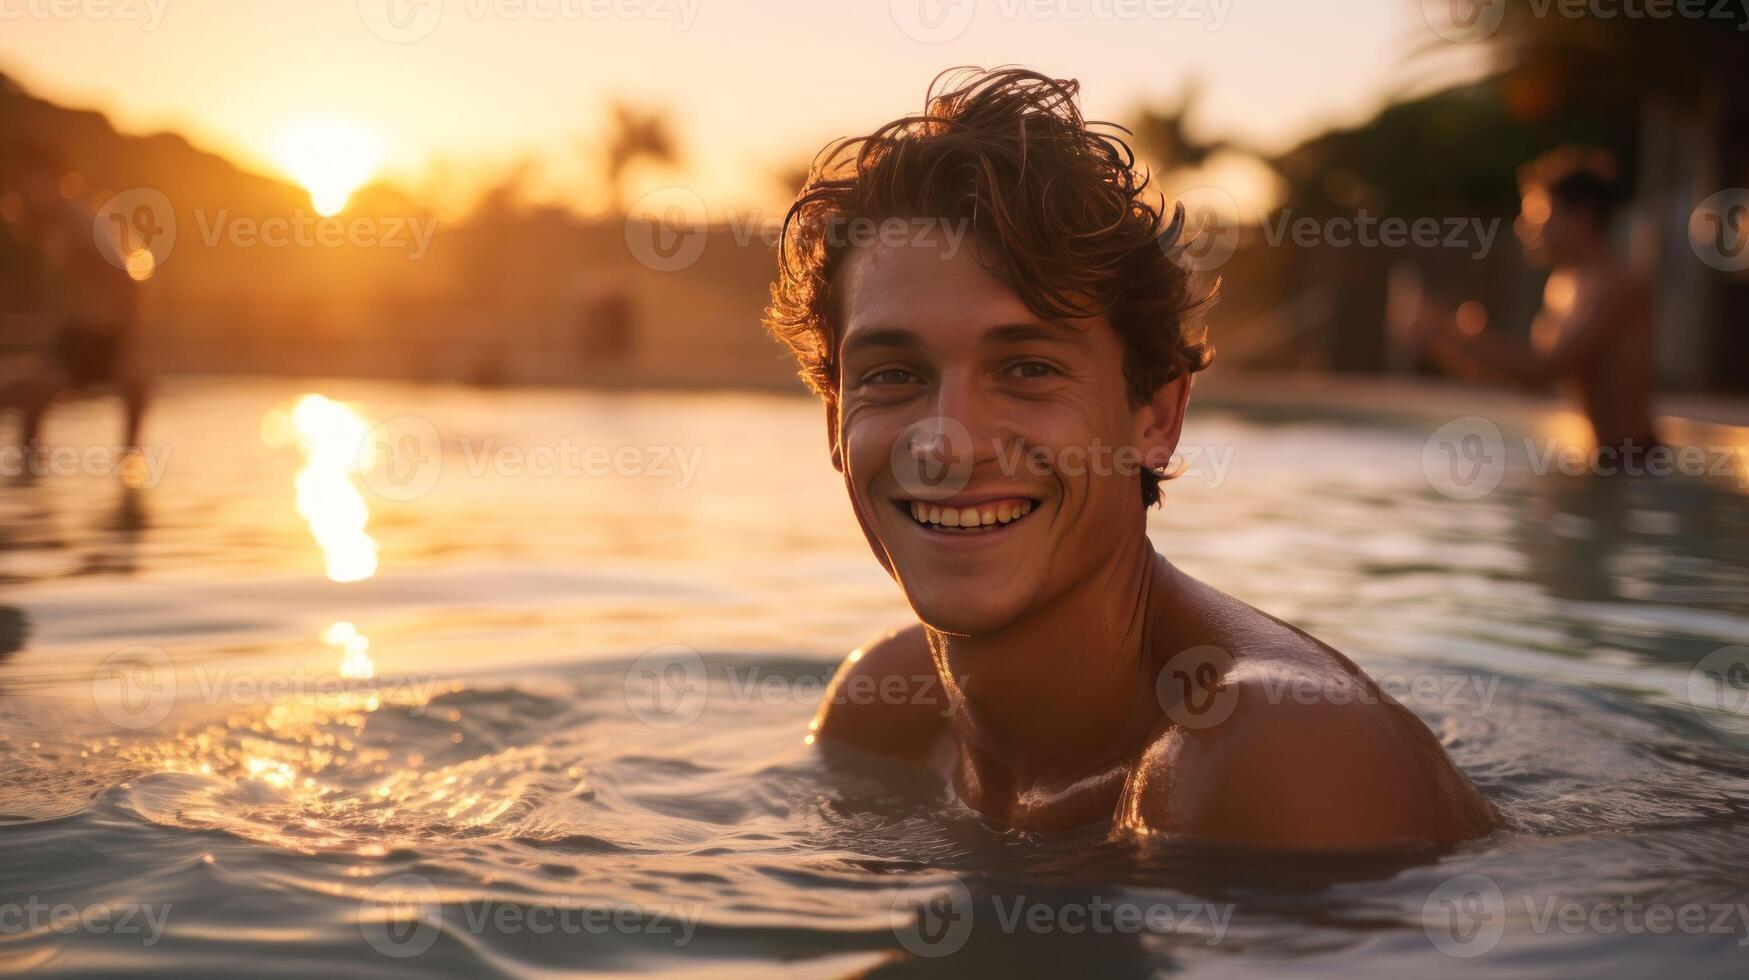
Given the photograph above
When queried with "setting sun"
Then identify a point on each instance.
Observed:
(330, 159)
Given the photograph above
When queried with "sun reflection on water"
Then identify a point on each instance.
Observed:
(356, 664)
(332, 438)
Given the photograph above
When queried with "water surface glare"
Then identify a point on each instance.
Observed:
(522, 691)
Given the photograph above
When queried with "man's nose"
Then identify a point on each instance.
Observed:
(964, 422)
(961, 399)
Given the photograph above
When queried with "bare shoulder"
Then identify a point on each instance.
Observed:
(1274, 739)
(887, 698)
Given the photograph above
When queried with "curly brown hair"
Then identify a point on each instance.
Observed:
(1058, 207)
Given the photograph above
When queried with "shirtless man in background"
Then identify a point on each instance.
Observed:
(1594, 335)
(93, 302)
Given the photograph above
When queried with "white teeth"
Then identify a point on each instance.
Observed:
(981, 516)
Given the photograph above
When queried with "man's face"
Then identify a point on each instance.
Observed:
(992, 458)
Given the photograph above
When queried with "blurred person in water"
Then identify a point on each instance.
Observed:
(92, 302)
(997, 316)
(1593, 337)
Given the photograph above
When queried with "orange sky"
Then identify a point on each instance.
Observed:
(456, 90)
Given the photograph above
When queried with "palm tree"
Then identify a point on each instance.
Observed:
(1162, 137)
(637, 135)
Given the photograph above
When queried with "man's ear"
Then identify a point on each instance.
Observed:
(1160, 421)
(832, 434)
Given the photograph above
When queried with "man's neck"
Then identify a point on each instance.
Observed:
(1066, 689)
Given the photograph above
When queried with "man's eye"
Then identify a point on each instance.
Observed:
(890, 376)
(1031, 370)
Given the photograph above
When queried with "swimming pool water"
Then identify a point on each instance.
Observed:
(529, 699)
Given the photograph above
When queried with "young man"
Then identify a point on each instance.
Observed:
(1593, 336)
(990, 308)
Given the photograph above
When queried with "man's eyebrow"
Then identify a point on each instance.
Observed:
(879, 337)
(1014, 333)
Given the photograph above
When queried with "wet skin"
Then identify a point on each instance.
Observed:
(1064, 673)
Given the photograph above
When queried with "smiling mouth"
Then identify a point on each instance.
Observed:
(976, 518)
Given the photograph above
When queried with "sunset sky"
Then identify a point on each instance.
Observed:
(459, 90)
